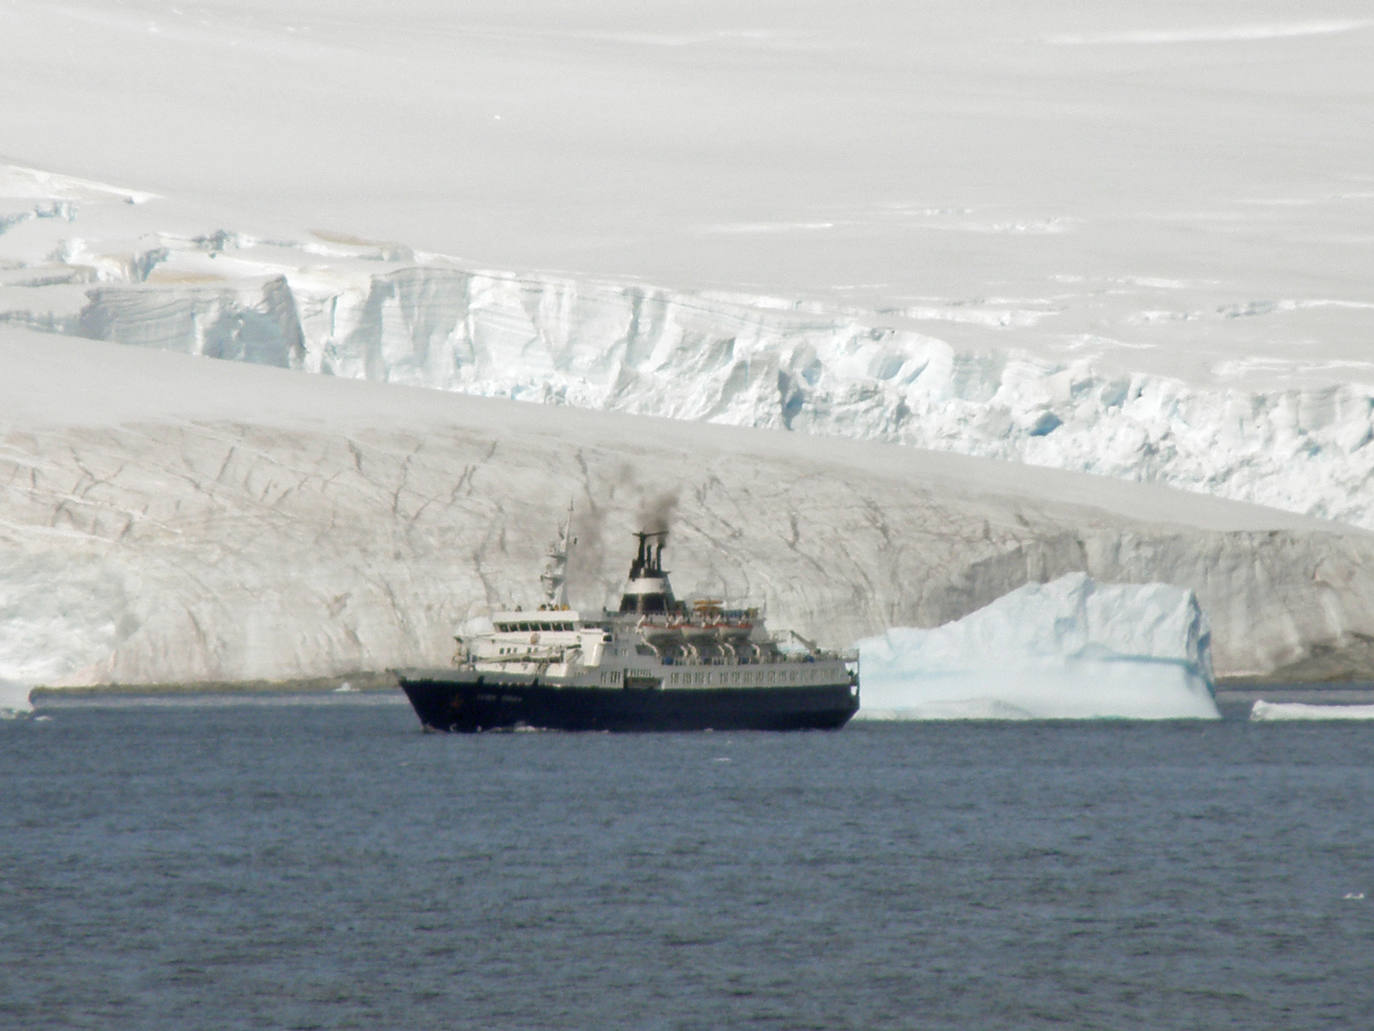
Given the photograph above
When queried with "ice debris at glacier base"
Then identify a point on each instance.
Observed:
(1070, 649)
(14, 698)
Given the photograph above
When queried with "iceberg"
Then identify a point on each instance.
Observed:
(1266, 712)
(1070, 649)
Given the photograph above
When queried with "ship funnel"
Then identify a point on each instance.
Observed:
(647, 589)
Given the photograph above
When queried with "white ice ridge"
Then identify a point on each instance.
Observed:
(1263, 711)
(1298, 437)
(19, 182)
(1242, 33)
(1070, 649)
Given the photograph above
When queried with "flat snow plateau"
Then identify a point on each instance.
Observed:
(1127, 241)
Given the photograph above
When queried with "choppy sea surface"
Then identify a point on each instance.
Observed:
(295, 862)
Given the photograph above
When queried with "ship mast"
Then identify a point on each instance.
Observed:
(555, 574)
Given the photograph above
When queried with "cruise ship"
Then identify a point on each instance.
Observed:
(653, 664)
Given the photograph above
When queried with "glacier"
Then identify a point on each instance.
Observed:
(1069, 649)
(1061, 400)
(1082, 270)
(910, 306)
(167, 518)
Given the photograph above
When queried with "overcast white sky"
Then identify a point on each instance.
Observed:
(880, 148)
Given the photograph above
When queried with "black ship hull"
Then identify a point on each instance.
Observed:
(469, 701)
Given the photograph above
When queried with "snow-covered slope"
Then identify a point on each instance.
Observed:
(170, 518)
(1070, 649)
(984, 379)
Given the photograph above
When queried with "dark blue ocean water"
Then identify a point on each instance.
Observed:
(320, 863)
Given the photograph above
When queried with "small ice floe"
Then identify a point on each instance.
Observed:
(14, 700)
(1263, 711)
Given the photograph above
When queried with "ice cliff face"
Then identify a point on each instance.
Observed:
(251, 322)
(173, 519)
(649, 351)
(954, 379)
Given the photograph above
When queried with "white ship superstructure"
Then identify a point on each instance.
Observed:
(653, 638)
(655, 663)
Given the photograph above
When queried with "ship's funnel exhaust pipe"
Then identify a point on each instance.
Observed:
(649, 557)
(647, 589)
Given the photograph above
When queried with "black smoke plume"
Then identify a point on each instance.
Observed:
(656, 514)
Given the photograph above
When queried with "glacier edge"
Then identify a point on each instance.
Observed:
(1012, 390)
